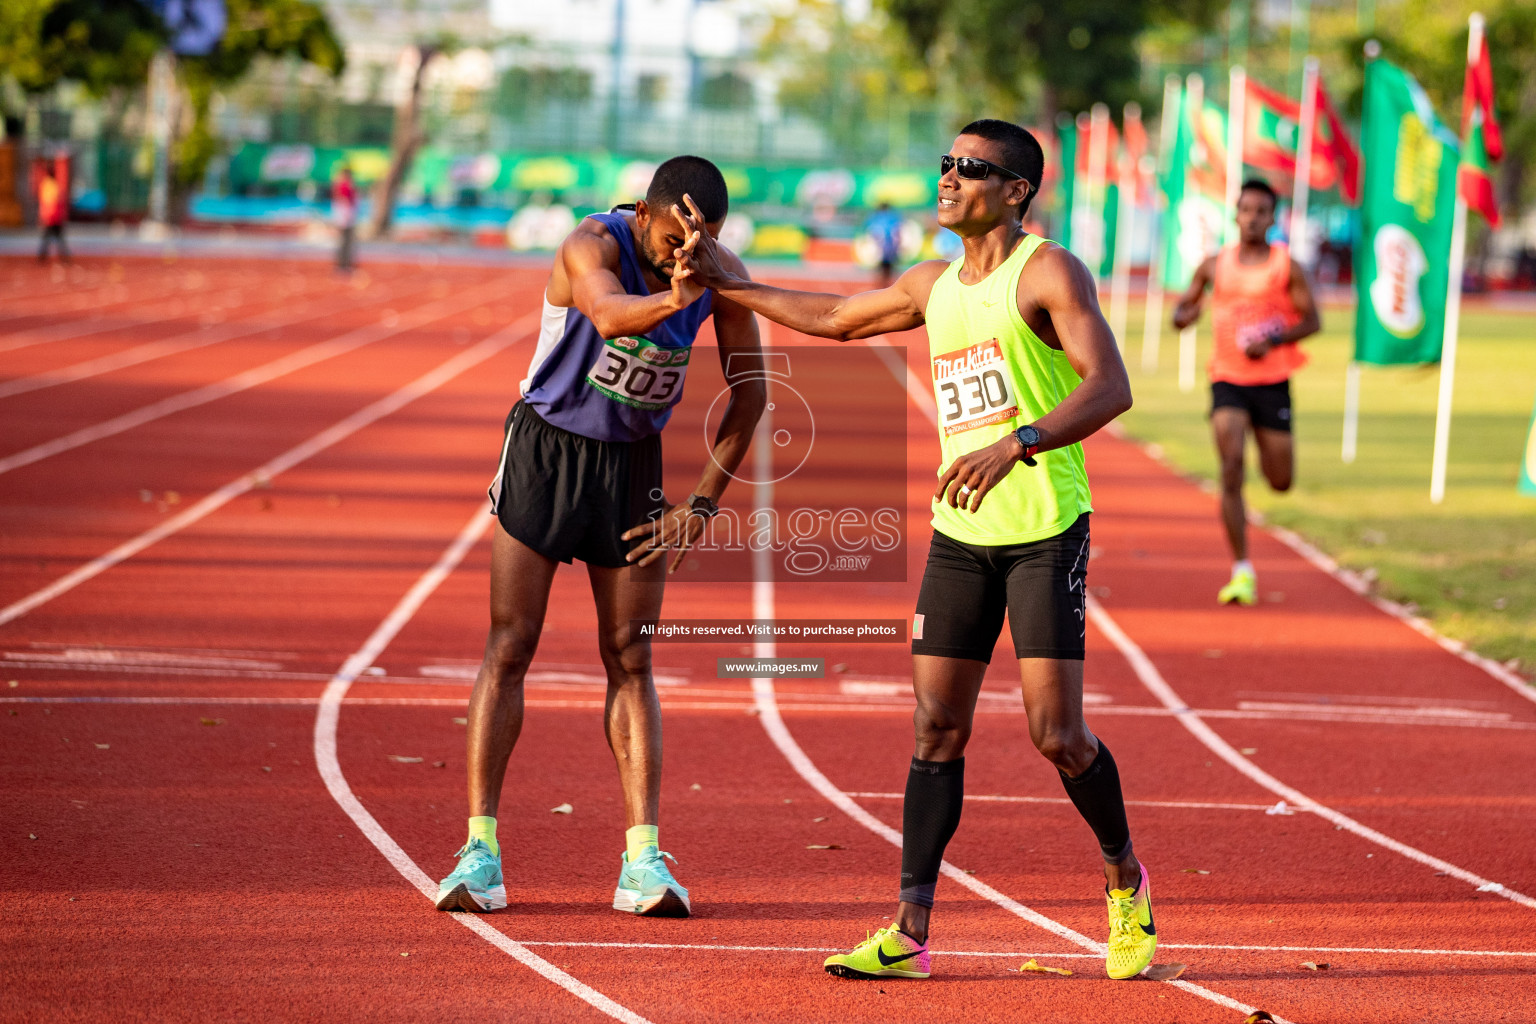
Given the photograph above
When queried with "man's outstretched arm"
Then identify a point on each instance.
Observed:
(822, 315)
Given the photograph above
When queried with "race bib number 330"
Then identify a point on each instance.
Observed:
(972, 388)
(639, 373)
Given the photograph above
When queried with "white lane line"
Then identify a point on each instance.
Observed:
(1004, 954)
(768, 714)
(340, 431)
(92, 323)
(187, 341)
(1153, 680)
(773, 723)
(687, 702)
(1357, 584)
(326, 721)
(1188, 805)
(294, 361)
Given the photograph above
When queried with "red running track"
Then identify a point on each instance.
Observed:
(191, 861)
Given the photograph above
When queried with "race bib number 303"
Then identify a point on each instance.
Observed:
(972, 388)
(639, 373)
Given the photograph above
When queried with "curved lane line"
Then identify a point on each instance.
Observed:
(1352, 581)
(390, 403)
(329, 716)
(766, 702)
(1153, 680)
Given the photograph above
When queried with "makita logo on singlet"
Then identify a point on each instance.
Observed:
(976, 356)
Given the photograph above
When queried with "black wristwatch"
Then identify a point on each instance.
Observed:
(699, 505)
(1029, 438)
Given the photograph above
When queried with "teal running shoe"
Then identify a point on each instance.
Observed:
(647, 888)
(475, 884)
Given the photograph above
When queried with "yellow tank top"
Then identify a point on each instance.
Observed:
(992, 375)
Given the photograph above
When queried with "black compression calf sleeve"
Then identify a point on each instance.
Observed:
(935, 790)
(1096, 795)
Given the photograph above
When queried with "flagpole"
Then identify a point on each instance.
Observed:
(1152, 327)
(1195, 85)
(1302, 190)
(1125, 225)
(1452, 304)
(1080, 188)
(1098, 177)
(1237, 102)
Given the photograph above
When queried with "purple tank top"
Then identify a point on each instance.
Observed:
(612, 389)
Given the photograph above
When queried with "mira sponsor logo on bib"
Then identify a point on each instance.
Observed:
(972, 388)
(638, 372)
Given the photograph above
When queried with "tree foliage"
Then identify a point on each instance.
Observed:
(1036, 56)
(108, 45)
(1429, 40)
(102, 44)
(257, 28)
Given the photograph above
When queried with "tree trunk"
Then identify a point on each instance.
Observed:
(406, 139)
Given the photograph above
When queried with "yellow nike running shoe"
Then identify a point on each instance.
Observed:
(889, 953)
(1132, 938)
(1243, 588)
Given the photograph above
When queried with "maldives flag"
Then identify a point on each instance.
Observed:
(1272, 136)
(1135, 139)
(1482, 142)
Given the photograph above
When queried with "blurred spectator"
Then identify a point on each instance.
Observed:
(52, 212)
(344, 211)
(885, 228)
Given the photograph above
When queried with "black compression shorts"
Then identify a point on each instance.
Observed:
(569, 496)
(1267, 405)
(967, 588)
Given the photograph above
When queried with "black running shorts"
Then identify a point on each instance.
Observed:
(967, 588)
(1267, 405)
(567, 496)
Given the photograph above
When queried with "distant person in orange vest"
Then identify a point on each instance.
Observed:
(344, 211)
(1261, 306)
(52, 212)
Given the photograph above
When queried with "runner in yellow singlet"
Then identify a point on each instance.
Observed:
(1024, 367)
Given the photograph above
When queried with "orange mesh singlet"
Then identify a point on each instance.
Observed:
(1249, 300)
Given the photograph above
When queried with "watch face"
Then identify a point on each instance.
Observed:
(1029, 436)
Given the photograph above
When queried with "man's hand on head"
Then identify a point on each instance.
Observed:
(700, 253)
(686, 288)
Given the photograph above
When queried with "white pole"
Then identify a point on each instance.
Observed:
(1098, 175)
(1301, 192)
(1080, 187)
(1452, 308)
(1351, 411)
(1187, 359)
(162, 99)
(1125, 226)
(1152, 327)
(1237, 102)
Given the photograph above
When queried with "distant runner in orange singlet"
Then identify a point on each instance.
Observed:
(1261, 307)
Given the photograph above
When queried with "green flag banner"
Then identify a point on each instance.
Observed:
(1195, 184)
(1066, 136)
(1406, 213)
(1528, 461)
(1111, 225)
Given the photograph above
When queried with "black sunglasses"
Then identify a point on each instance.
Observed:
(973, 167)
